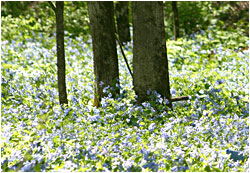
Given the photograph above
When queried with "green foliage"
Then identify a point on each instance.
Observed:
(39, 17)
(195, 16)
(15, 8)
(76, 18)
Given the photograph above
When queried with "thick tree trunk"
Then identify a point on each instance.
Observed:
(60, 53)
(176, 20)
(122, 19)
(101, 15)
(150, 63)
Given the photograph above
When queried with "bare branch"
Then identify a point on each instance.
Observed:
(175, 99)
(52, 6)
(123, 54)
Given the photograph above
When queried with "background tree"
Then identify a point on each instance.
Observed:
(176, 20)
(102, 26)
(122, 19)
(150, 63)
(60, 51)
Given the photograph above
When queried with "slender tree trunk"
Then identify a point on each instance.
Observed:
(60, 53)
(176, 20)
(122, 19)
(150, 63)
(102, 26)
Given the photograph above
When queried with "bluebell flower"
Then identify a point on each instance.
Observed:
(27, 167)
(183, 168)
(173, 91)
(160, 100)
(127, 164)
(101, 83)
(167, 101)
(95, 118)
(105, 90)
(174, 169)
(75, 100)
(186, 143)
(96, 111)
(210, 37)
(152, 127)
(149, 91)
(220, 81)
(146, 104)
(118, 85)
(215, 90)
(152, 165)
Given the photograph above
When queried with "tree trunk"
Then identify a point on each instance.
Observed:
(101, 15)
(60, 53)
(122, 19)
(176, 20)
(150, 63)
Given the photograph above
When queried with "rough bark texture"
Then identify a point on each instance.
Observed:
(150, 63)
(101, 15)
(60, 53)
(176, 20)
(122, 19)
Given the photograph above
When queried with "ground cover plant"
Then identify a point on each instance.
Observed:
(38, 135)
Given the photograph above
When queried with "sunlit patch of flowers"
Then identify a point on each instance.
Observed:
(40, 135)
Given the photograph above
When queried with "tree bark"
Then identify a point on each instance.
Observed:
(60, 53)
(150, 63)
(122, 19)
(176, 20)
(102, 26)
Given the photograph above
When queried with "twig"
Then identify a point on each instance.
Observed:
(175, 99)
(123, 54)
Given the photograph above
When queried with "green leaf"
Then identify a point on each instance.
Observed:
(37, 167)
(142, 123)
(60, 166)
(117, 135)
(137, 159)
(99, 166)
(167, 165)
(28, 156)
(4, 166)
(216, 169)
(207, 168)
(207, 85)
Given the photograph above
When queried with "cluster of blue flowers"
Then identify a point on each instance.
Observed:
(40, 135)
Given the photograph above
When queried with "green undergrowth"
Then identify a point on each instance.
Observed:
(211, 67)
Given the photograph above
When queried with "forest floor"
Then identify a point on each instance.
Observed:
(211, 67)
